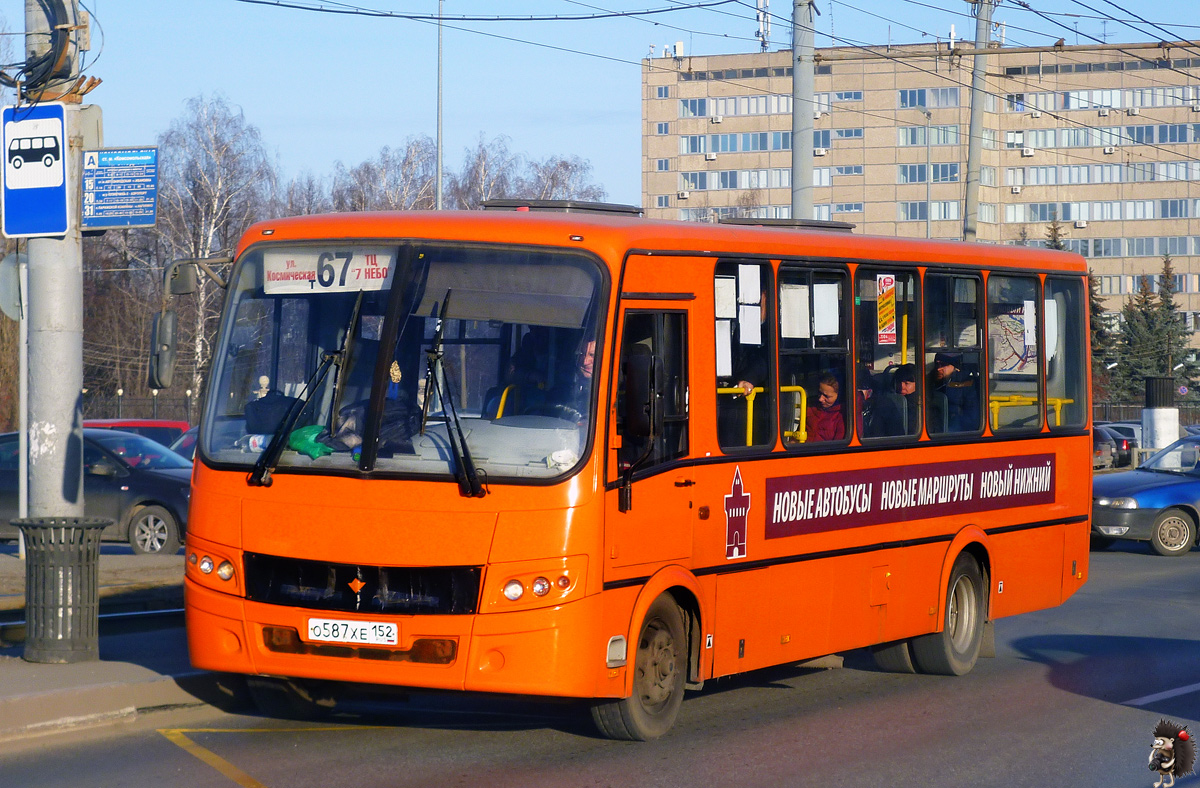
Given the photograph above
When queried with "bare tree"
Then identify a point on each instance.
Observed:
(305, 194)
(559, 178)
(395, 180)
(215, 179)
(489, 171)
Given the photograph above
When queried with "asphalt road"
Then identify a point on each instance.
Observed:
(1068, 701)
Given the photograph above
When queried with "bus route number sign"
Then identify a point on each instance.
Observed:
(333, 270)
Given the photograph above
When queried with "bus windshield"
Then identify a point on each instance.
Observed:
(378, 344)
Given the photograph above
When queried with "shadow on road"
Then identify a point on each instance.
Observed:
(1121, 669)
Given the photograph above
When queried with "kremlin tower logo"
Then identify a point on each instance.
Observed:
(737, 506)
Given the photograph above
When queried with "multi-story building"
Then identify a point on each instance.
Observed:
(1105, 140)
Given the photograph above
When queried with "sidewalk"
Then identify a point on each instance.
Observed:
(140, 667)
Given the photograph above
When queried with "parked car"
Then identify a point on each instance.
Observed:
(1104, 449)
(1191, 429)
(1129, 429)
(1123, 446)
(185, 444)
(141, 485)
(1158, 502)
(163, 431)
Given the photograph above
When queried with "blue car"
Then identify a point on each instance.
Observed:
(1159, 502)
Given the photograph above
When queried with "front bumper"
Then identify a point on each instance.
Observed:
(1123, 523)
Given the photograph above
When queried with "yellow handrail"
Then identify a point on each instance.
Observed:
(504, 398)
(996, 402)
(754, 392)
(799, 435)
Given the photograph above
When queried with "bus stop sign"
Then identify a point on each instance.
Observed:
(35, 171)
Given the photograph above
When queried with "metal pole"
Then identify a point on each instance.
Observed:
(928, 177)
(802, 109)
(154, 398)
(983, 23)
(23, 398)
(438, 185)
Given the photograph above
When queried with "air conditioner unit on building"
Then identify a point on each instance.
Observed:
(1079, 225)
(1196, 108)
(816, 114)
(1037, 113)
(683, 195)
(820, 151)
(716, 119)
(1133, 111)
(1111, 149)
(1104, 112)
(1016, 190)
(1026, 152)
(710, 157)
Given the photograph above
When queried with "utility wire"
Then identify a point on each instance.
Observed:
(345, 8)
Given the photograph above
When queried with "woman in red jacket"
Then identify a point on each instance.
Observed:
(825, 421)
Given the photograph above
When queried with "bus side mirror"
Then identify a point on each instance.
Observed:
(181, 278)
(640, 406)
(162, 350)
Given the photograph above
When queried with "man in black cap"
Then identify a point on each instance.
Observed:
(954, 403)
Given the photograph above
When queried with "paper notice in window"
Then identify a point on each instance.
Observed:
(748, 284)
(1029, 316)
(725, 292)
(793, 312)
(749, 325)
(1051, 328)
(724, 348)
(826, 311)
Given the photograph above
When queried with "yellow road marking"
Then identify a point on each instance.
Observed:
(178, 737)
(212, 759)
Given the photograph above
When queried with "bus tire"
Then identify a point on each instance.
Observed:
(894, 657)
(17, 162)
(1174, 533)
(953, 651)
(660, 670)
(289, 699)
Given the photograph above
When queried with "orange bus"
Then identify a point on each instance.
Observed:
(607, 458)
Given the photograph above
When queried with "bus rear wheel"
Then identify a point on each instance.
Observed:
(660, 669)
(954, 650)
(289, 699)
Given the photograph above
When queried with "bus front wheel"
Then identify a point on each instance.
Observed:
(953, 651)
(660, 669)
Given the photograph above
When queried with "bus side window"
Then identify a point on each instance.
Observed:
(1066, 336)
(886, 402)
(953, 329)
(1013, 365)
(745, 336)
(664, 336)
(814, 344)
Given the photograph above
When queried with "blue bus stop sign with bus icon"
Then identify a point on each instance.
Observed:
(35, 171)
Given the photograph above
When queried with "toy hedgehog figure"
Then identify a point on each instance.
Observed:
(1173, 753)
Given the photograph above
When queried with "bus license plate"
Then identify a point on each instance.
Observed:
(367, 633)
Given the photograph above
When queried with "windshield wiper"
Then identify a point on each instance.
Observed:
(435, 376)
(260, 475)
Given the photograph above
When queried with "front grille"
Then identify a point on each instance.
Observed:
(398, 590)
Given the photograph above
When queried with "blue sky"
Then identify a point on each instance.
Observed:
(325, 87)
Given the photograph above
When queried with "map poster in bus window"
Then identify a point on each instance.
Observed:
(1012, 332)
(885, 308)
(327, 270)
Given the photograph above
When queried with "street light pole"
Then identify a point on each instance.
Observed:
(928, 176)
(437, 187)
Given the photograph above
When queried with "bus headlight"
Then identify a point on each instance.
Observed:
(550, 581)
(513, 590)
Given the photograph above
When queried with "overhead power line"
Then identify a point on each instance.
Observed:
(347, 9)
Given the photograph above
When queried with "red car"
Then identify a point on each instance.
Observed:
(163, 431)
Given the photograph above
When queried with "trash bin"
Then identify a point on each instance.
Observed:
(62, 607)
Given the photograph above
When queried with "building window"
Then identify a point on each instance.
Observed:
(821, 139)
(987, 176)
(693, 108)
(663, 91)
(821, 176)
(663, 128)
(987, 212)
(663, 165)
(848, 134)
(944, 209)
(847, 207)
(945, 173)
(913, 211)
(911, 173)
(848, 95)
(662, 201)
(852, 169)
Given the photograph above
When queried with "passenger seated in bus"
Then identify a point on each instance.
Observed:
(825, 421)
(906, 387)
(954, 400)
(880, 411)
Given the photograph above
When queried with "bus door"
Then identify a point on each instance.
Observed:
(648, 510)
